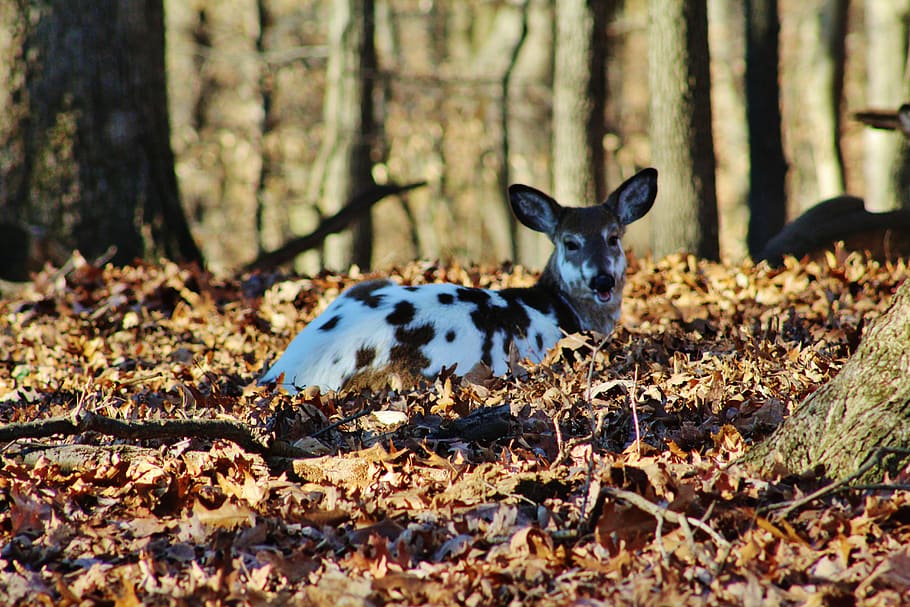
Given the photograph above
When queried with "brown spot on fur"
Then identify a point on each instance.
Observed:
(365, 292)
(390, 376)
(407, 352)
(402, 314)
(330, 323)
(364, 357)
(475, 296)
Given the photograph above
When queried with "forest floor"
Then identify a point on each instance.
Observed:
(606, 475)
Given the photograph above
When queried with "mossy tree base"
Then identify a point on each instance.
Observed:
(865, 407)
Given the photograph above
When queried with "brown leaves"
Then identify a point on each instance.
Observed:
(475, 490)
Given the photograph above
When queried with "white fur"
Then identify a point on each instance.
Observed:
(310, 359)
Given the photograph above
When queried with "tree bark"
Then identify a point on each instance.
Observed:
(865, 407)
(683, 148)
(495, 57)
(344, 166)
(91, 161)
(505, 114)
(814, 80)
(886, 57)
(768, 169)
(579, 96)
(530, 134)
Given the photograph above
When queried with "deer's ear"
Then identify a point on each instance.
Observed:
(631, 200)
(535, 209)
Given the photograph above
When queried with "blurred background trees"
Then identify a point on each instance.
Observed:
(278, 112)
(87, 156)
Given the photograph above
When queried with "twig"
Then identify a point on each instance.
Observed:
(341, 422)
(872, 460)
(567, 447)
(685, 524)
(559, 442)
(659, 540)
(589, 474)
(633, 398)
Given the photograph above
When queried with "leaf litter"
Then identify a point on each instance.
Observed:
(606, 475)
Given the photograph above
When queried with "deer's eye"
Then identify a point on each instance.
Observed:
(612, 240)
(570, 244)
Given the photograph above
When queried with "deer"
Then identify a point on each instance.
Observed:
(378, 329)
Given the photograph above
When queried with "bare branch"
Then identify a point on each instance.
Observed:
(336, 223)
(661, 513)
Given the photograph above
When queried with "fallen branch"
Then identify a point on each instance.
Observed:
(85, 421)
(482, 424)
(331, 225)
(341, 422)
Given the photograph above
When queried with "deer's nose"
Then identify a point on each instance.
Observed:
(602, 283)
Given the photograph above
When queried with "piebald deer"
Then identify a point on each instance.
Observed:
(378, 328)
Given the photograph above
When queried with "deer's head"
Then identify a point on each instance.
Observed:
(588, 265)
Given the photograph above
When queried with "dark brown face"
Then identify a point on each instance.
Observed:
(589, 258)
(588, 264)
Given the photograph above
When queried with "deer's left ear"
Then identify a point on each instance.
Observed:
(535, 209)
(631, 200)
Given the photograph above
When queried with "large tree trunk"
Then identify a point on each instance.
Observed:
(88, 156)
(767, 191)
(865, 407)
(681, 135)
(344, 166)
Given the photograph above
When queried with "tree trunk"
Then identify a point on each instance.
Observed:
(681, 135)
(815, 93)
(494, 57)
(90, 163)
(343, 168)
(529, 136)
(768, 169)
(886, 57)
(727, 29)
(505, 115)
(266, 91)
(865, 407)
(361, 155)
(579, 95)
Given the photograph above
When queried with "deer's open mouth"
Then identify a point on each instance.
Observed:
(603, 296)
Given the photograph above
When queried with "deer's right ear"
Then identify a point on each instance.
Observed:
(535, 209)
(634, 197)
